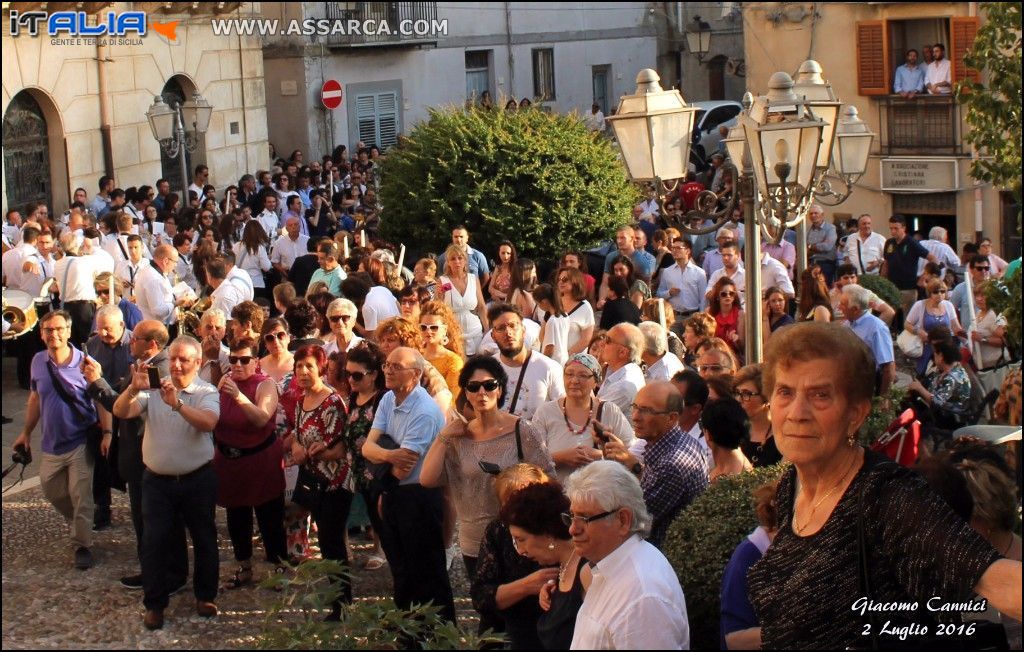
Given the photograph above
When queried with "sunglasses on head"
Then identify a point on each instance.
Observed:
(240, 359)
(279, 335)
(489, 385)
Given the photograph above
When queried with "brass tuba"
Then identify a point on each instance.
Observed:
(189, 318)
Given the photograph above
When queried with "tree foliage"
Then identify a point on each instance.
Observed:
(701, 540)
(994, 111)
(543, 181)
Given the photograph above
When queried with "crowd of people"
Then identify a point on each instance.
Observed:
(261, 350)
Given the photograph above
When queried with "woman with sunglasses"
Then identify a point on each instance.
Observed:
(441, 341)
(248, 461)
(724, 306)
(364, 369)
(102, 284)
(278, 361)
(466, 456)
(759, 446)
(316, 440)
(341, 317)
(567, 424)
(926, 314)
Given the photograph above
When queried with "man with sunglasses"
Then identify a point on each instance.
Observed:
(533, 378)
(341, 316)
(634, 601)
(980, 270)
(674, 470)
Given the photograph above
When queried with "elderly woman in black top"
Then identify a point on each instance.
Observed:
(918, 553)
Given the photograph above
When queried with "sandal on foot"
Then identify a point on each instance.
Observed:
(374, 562)
(242, 577)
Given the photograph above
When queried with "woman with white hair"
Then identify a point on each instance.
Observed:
(635, 600)
(341, 317)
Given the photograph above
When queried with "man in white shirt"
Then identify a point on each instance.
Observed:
(937, 73)
(634, 601)
(595, 120)
(226, 294)
(624, 346)
(22, 262)
(774, 275)
(128, 270)
(117, 246)
(213, 326)
(74, 274)
(936, 245)
(695, 397)
(533, 378)
(865, 248)
(239, 276)
(12, 227)
(660, 362)
(732, 268)
(199, 179)
(290, 247)
(268, 217)
(683, 284)
(153, 294)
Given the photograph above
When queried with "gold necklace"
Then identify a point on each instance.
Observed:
(814, 508)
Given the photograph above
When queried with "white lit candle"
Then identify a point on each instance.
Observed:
(344, 246)
(110, 297)
(661, 313)
(362, 239)
(401, 258)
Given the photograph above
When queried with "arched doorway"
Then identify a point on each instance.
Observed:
(716, 77)
(26, 153)
(175, 92)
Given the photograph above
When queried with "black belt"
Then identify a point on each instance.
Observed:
(685, 313)
(78, 301)
(183, 476)
(233, 453)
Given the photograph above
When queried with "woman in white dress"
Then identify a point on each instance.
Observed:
(461, 290)
(251, 256)
(572, 293)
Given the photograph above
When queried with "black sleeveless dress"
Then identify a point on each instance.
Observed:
(556, 626)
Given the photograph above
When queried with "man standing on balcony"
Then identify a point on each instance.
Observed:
(909, 77)
(937, 74)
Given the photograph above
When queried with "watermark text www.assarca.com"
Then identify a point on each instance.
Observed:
(327, 27)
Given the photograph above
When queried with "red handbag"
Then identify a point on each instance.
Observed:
(901, 439)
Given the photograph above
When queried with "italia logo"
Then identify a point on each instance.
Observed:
(76, 24)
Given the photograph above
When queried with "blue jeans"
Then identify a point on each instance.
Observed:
(192, 498)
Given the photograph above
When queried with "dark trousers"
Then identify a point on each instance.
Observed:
(331, 518)
(193, 498)
(270, 516)
(413, 540)
(470, 564)
(177, 544)
(82, 315)
(101, 477)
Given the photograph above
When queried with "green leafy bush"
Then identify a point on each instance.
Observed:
(883, 287)
(884, 410)
(1003, 296)
(701, 540)
(543, 181)
(295, 620)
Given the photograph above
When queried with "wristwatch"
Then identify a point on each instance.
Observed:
(177, 406)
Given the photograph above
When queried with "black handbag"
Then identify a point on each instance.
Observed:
(309, 489)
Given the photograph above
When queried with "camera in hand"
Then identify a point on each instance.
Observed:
(21, 455)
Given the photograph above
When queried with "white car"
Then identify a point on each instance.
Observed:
(711, 115)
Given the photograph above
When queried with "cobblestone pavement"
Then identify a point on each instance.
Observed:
(48, 604)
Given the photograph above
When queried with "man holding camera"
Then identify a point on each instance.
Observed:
(179, 482)
(58, 399)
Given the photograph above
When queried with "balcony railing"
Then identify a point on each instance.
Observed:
(927, 125)
(382, 24)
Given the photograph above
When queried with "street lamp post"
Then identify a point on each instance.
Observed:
(178, 128)
(790, 143)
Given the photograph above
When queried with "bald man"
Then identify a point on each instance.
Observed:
(674, 471)
(153, 293)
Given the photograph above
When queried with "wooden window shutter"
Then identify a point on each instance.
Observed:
(963, 29)
(872, 58)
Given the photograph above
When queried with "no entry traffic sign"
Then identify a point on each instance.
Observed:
(331, 94)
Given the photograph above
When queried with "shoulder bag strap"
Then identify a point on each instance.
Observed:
(120, 245)
(519, 441)
(58, 385)
(519, 384)
(600, 409)
(860, 257)
(64, 280)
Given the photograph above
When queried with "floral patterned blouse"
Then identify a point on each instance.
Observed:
(324, 423)
(360, 419)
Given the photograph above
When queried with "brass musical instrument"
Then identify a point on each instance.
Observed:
(189, 318)
(19, 310)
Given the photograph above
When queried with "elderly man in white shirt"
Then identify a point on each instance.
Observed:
(289, 247)
(153, 291)
(936, 245)
(661, 363)
(683, 284)
(865, 248)
(634, 601)
(622, 352)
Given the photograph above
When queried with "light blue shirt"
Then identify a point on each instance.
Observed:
(822, 241)
(477, 263)
(909, 79)
(332, 278)
(958, 297)
(875, 334)
(643, 263)
(692, 283)
(413, 425)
